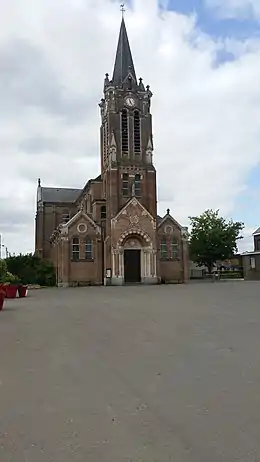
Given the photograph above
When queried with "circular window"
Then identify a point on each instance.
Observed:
(82, 228)
(168, 229)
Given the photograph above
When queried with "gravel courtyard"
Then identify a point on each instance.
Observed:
(132, 374)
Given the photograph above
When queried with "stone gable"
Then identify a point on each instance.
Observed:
(81, 225)
(133, 219)
(170, 228)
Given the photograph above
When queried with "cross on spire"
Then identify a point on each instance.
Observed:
(122, 9)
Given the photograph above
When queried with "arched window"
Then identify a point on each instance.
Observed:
(175, 248)
(125, 185)
(138, 191)
(105, 141)
(103, 212)
(163, 249)
(88, 249)
(124, 131)
(75, 248)
(137, 134)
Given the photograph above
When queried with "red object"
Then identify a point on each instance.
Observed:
(2, 299)
(2, 296)
(11, 291)
(23, 291)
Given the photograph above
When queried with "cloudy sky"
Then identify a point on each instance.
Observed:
(202, 60)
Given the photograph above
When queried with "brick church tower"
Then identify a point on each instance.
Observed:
(128, 173)
(126, 134)
(109, 231)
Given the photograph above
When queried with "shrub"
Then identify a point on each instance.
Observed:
(3, 271)
(11, 278)
(30, 269)
(231, 275)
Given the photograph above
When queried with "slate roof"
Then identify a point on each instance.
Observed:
(87, 186)
(59, 194)
(124, 61)
(256, 232)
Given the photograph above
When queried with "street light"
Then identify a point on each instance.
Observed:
(4, 246)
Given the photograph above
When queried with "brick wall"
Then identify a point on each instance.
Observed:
(80, 270)
(251, 274)
(256, 243)
(173, 268)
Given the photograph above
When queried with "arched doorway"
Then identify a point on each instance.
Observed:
(132, 261)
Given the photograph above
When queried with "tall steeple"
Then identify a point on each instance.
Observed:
(124, 66)
(126, 134)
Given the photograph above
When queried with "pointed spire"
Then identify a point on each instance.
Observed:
(141, 85)
(124, 65)
(149, 151)
(149, 145)
(113, 141)
(106, 81)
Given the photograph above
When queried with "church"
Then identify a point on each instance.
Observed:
(109, 233)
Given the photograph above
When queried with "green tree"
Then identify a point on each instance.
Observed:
(3, 271)
(213, 238)
(31, 269)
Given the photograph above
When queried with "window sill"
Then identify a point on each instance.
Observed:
(81, 260)
(170, 259)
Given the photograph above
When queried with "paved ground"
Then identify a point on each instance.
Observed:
(140, 374)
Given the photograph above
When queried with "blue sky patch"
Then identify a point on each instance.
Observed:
(210, 23)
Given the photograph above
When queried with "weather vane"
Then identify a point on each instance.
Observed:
(122, 9)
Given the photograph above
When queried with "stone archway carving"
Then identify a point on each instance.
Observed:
(135, 232)
(135, 238)
(132, 242)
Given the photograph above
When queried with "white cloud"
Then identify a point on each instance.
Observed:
(53, 57)
(242, 9)
(247, 243)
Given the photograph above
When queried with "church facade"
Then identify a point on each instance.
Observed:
(109, 231)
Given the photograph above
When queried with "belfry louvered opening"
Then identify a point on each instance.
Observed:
(137, 134)
(124, 131)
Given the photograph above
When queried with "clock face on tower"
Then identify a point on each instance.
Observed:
(130, 101)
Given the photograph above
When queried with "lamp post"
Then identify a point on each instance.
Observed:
(6, 251)
(3, 246)
(102, 252)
